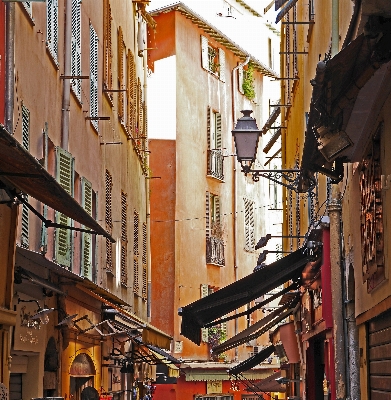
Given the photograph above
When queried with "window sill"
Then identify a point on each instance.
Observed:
(221, 180)
(52, 57)
(215, 264)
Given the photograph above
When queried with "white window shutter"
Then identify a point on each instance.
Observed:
(29, 7)
(240, 80)
(208, 127)
(204, 293)
(94, 76)
(76, 47)
(207, 214)
(249, 225)
(218, 131)
(52, 27)
(222, 65)
(64, 175)
(86, 244)
(204, 53)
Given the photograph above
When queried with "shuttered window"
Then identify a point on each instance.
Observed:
(109, 220)
(204, 293)
(107, 45)
(214, 130)
(139, 115)
(52, 28)
(121, 76)
(212, 213)
(94, 76)
(212, 59)
(240, 80)
(136, 282)
(144, 289)
(131, 95)
(124, 238)
(86, 243)
(64, 175)
(26, 145)
(76, 48)
(249, 225)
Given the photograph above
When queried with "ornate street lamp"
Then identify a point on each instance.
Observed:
(246, 135)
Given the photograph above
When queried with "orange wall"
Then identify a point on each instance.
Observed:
(162, 195)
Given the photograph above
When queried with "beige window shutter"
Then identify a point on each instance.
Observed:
(222, 65)
(204, 53)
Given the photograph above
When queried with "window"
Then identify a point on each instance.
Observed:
(124, 238)
(270, 52)
(109, 220)
(76, 48)
(94, 76)
(63, 239)
(86, 238)
(121, 76)
(215, 155)
(213, 59)
(204, 331)
(136, 283)
(144, 290)
(249, 225)
(52, 28)
(107, 48)
(131, 95)
(24, 241)
(214, 231)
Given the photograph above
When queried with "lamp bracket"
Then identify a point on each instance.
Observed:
(275, 175)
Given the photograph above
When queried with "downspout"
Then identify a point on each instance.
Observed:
(235, 190)
(66, 88)
(9, 66)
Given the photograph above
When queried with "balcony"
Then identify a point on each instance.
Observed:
(215, 164)
(215, 251)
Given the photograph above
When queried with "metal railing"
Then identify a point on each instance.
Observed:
(215, 251)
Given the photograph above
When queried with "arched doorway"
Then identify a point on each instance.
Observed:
(82, 378)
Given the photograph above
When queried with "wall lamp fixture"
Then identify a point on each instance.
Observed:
(246, 136)
(41, 314)
(263, 240)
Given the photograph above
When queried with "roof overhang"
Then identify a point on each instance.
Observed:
(21, 172)
(198, 314)
(349, 92)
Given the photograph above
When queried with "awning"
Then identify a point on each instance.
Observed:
(285, 10)
(258, 328)
(270, 384)
(252, 361)
(271, 120)
(209, 308)
(20, 170)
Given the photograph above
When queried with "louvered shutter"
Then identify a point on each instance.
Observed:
(94, 76)
(139, 134)
(121, 75)
(240, 80)
(124, 239)
(86, 243)
(107, 46)
(204, 53)
(64, 175)
(29, 7)
(207, 214)
(109, 220)
(208, 127)
(136, 284)
(249, 224)
(52, 28)
(144, 290)
(204, 293)
(224, 329)
(26, 145)
(131, 95)
(76, 47)
(217, 209)
(218, 131)
(222, 65)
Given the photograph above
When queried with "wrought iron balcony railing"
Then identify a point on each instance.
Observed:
(215, 251)
(215, 164)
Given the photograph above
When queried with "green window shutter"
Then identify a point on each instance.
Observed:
(204, 293)
(222, 65)
(86, 243)
(204, 53)
(64, 175)
(26, 145)
(240, 80)
(207, 214)
(218, 131)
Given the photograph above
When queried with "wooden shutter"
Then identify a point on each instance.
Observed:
(217, 209)
(207, 214)
(52, 27)
(204, 53)
(121, 75)
(86, 241)
(136, 284)
(139, 134)
(26, 145)
(76, 47)
(107, 43)
(208, 127)
(218, 131)
(249, 225)
(240, 80)
(204, 293)
(144, 290)
(131, 95)
(94, 76)
(109, 220)
(64, 175)
(222, 65)
(124, 239)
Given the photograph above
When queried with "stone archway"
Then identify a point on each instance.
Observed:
(82, 374)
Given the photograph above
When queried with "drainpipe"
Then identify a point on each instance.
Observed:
(9, 66)
(66, 88)
(335, 27)
(235, 190)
